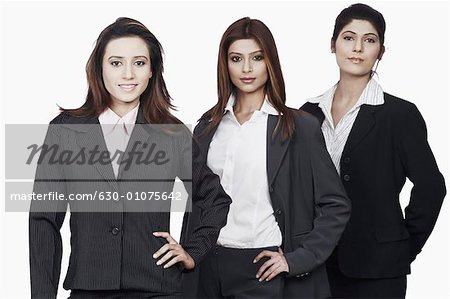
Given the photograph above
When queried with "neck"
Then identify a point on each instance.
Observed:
(122, 108)
(350, 88)
(249, 102)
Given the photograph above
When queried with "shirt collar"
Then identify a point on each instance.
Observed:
(266, 107)
(109, 117)
(371, 95)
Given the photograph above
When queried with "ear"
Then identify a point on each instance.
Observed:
(333, 46)
(151, 74)
(380, 55)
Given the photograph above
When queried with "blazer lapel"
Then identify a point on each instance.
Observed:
(276, 149)
(91, 139)
(364, 122)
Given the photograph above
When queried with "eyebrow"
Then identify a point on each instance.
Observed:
(370, 33)
(121, 57)
(254, 52)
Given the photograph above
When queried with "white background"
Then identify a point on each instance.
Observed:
(45, 46)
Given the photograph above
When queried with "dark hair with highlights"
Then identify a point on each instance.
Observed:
(247, 28)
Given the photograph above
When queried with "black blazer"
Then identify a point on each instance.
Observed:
(112, 248)
(386, 145)
(309, 203)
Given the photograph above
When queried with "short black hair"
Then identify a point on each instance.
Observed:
(360, 11)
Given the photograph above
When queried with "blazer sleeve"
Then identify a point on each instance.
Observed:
(45, 220)
(421, 169)
(211, 204)
(332, 211)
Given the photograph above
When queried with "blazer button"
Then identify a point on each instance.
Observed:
(346, 178)
(270, 189)
(347, 160)
(115, 231)
(279, 212)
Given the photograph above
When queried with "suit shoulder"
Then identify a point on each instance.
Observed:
(201, 125)
(62, 118)
(397, 103)
(305, 118)
(309, 107)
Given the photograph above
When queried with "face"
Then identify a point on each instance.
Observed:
(357, 48)
(246, 66)
(126, 69)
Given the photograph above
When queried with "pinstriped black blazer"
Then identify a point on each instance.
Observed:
(112, 249)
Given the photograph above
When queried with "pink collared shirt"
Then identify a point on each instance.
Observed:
(117, 131)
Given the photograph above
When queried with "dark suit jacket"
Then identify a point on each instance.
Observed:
(387, 144)
(309, 203)
(112, 248)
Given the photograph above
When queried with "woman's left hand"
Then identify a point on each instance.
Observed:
(172, 253)
(274, 266)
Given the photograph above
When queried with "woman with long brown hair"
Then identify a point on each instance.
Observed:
(289, 207)
(120, 246)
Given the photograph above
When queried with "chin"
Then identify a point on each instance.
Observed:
(357, 73)
(249, 89)
(126, 101)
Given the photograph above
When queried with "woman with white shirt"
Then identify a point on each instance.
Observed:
(288, 206)
(120, 241)
(376, 141)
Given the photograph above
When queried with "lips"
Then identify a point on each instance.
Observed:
(248, 80)
(356, 60)
(127, 87)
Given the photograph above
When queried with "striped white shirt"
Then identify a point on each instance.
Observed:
(336, 137)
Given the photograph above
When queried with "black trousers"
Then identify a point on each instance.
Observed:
(118, 294)
(342, 286)
(231, 273)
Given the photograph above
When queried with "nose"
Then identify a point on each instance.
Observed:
(128, 72)
(247, 67)
(358, 46)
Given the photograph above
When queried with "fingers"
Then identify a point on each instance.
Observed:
(271, 272)
(262, 254)
(264, 267)
(172, 253)
(166, 236)
(272, 267)
(176, 259)
(164, 249)
(268, 267)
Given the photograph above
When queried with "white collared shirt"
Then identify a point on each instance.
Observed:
(117, 131)
(237, 154)
(336, 137)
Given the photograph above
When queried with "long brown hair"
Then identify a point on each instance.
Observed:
(155, 100)
(247, 28)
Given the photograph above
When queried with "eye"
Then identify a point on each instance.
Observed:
(370, 40)
(258, 58)
(235, 58)
(116, 63)
(348, 37)
(140, 63)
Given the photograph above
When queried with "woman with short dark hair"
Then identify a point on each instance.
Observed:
(376, 141)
